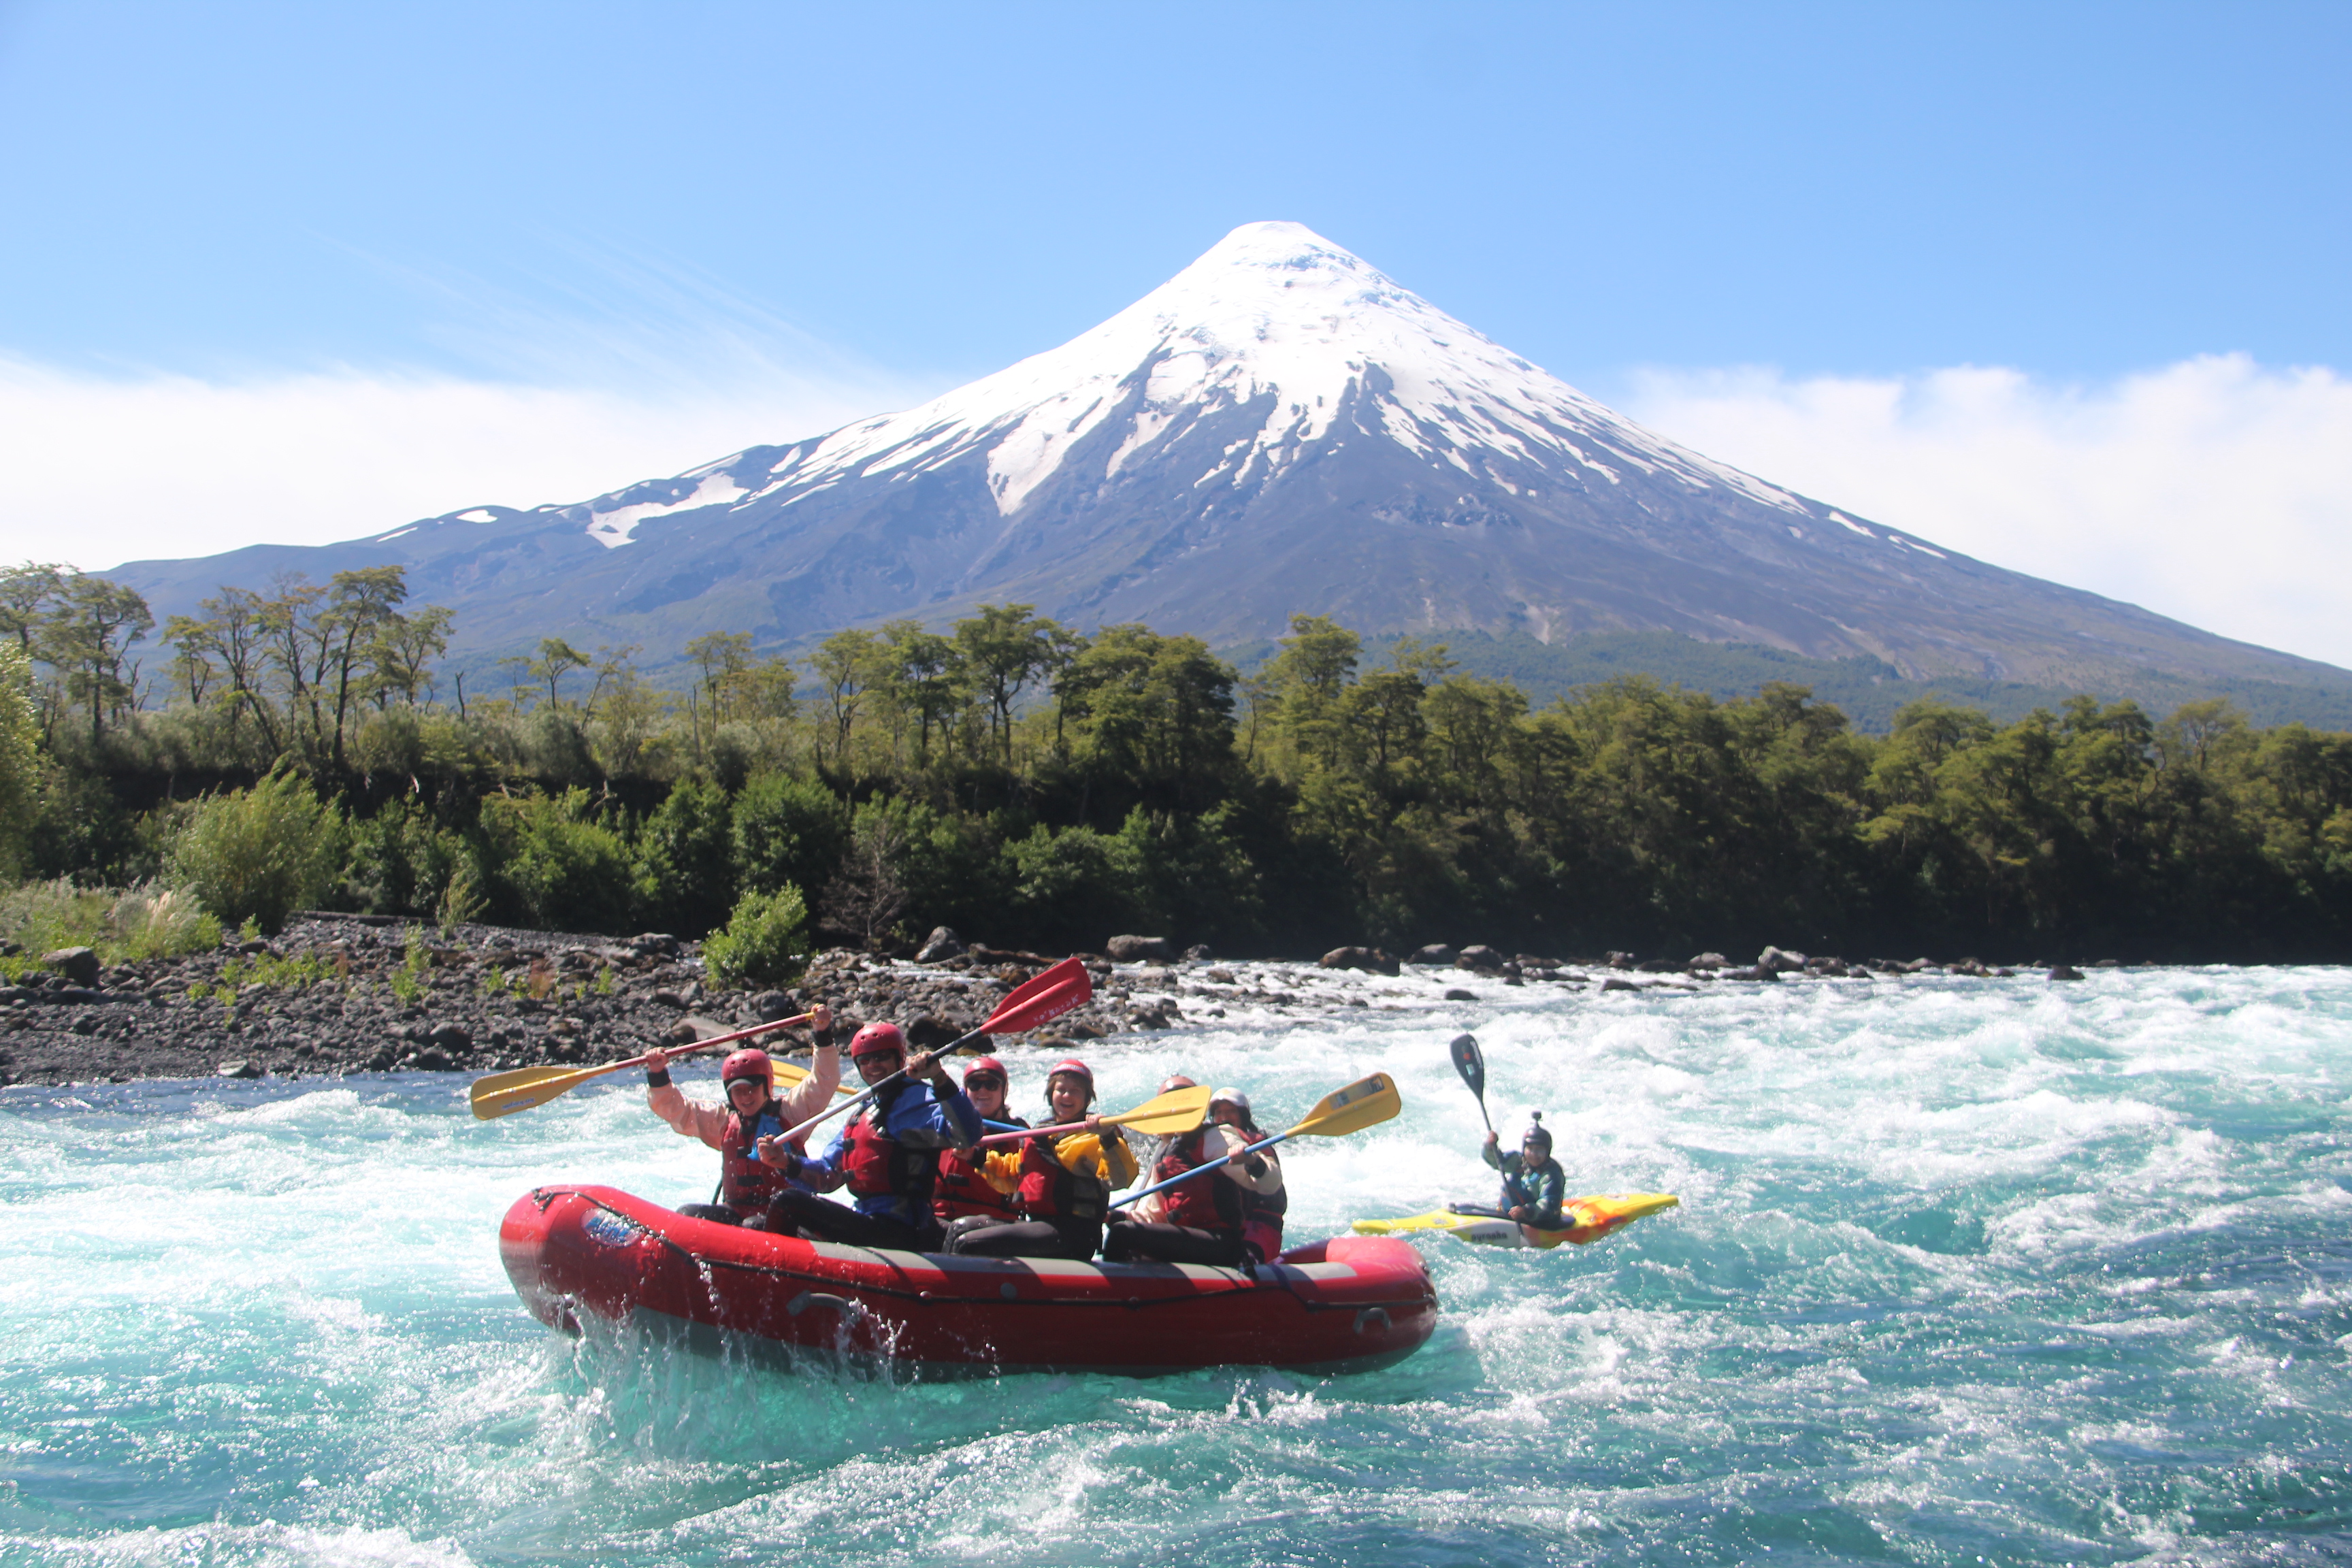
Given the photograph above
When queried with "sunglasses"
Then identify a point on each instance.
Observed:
(984, 1080)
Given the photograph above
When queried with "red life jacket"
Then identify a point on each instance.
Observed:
(961, 1190)
(1203, 1202)
(1051, 1190)
(1261, 1218)
(877, 1165)
(745, 1182)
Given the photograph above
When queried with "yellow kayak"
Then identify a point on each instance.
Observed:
(1596, 1215)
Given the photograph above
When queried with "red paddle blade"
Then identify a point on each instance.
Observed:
(1040, 1000)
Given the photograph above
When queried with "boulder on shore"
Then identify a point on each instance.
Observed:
(941, 944)
(1780, 959)
(1371, 960)
(78, 964)
(1478, 956)
(1136, 948)
(1708, 961)
(1436, 953)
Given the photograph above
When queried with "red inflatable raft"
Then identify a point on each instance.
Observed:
(1350, 1304)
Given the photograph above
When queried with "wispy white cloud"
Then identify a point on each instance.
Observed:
(2214, 490)
(98, 470)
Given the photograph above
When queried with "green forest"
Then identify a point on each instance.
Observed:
(1033, 784)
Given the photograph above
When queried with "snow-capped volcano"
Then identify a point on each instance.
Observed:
(1278, 428)
(1295, 334)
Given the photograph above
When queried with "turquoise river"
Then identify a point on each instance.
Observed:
(1967, 1273)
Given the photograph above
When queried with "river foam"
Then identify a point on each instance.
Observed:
(1966, 1270)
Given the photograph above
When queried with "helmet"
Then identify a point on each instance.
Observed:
(877, 1037)
(1076, 1069)
(985, 1064)
(1178, 1080)
(1231, 1096)
(752, 1064)
(1537, 1132)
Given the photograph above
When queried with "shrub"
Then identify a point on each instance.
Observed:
(258, 854)
(685, 865)
(133, 924)
(401, 862)
(788, 831)
(568, 871)
(765, 941)
(19, 758)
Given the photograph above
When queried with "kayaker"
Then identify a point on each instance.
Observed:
(888, 1155)
(747, 1183)
(976, 1187)
(1533, 1185)
(1263, 1207)
(1065, 1182)
(1205, 1216)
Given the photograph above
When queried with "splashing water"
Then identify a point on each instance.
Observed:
(1966, 1271)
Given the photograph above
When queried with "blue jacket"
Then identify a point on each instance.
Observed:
(916, 1118)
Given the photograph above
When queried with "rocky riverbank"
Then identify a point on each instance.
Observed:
(340, 993)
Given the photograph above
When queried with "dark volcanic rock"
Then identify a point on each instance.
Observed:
(1478, 956)
(941, 943)
(2064, 972)
(1436, 954)
(78, 964)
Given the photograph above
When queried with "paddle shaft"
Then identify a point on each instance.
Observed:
(1212, 1164)
(819, 1119)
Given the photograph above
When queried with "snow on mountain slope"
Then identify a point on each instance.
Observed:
(1272, 311)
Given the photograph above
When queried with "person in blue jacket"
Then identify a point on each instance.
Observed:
(1534, 1186)
(888, 1155)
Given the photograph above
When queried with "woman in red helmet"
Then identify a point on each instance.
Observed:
(887, 1156)
(747, 1183)
(1065, 1182)
(976, 1187)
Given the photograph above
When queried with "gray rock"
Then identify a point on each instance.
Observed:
(1458, 994)
(1371, 960)
(655, 942)
(1436, 954)
(1198, 952)
(1779, 960)
(770, 1006)
(432, 1059)
(1615, 984)
(930, 1032)
(78, 964)
(2064, 972)
(1709, 960)
(449, 1036)
(942, 943)
(241, 1067)
(1481, 958)
(1136, 948)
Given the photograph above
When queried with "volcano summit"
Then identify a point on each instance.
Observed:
(1278, 428)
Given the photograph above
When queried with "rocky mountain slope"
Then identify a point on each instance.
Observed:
(1278, 428)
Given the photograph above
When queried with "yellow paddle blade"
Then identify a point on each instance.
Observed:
(790, 1076)
(1178, 1110)
(1364, 1103)
(504, 1093)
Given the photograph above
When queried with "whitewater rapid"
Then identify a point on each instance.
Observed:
(1966, 1271)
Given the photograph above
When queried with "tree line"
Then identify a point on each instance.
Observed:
(1042, 785)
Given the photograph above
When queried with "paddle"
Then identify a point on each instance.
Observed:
(1040, 1000)
(1177, 1111)
(1364, 1103)
(1472, 1069)
(504, 1093)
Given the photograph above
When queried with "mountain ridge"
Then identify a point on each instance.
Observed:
(1278, 428)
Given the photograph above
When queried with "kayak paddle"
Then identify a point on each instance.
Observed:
(1040, 1000)
(504, 1093)
(1180, 1111)
(1472, 1069)
(1364, 1103)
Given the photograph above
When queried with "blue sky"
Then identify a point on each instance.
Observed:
(532, 245)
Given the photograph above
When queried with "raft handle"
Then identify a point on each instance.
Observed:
(1378, 1317)
(807, 1298)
